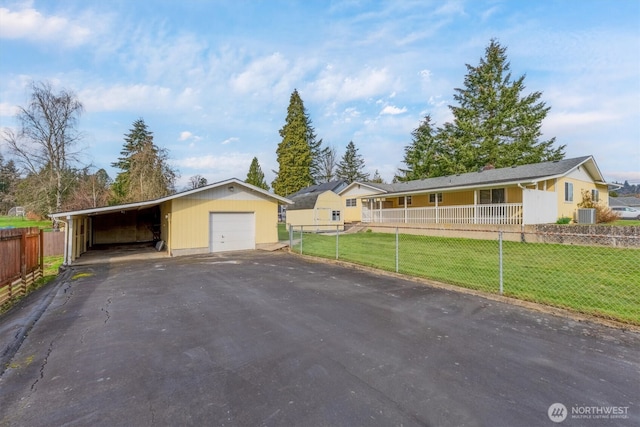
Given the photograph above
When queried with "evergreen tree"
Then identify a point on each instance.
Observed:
(493, 123)
(145, 173)
(9, 180)
(295, 153)
(377, 178)
(255, 176)
(422, 156)
(351, 167)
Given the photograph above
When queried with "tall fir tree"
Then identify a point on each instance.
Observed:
(255, 176)
(295, 153)
(422, 156)
(493, 122)
(351, 167)
(145, 172)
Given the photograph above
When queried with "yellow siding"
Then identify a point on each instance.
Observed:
(190, 220)
(354, 213)
(570, 209)
(514, 195)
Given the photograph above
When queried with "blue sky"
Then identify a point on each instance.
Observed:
(212, 79)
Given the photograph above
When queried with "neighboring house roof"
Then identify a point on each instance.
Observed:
(334, 186)
(624, 201)
(523, 174)
(303, 201)
(151, 203)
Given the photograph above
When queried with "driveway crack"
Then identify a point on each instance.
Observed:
(106, 310)
(42, 367)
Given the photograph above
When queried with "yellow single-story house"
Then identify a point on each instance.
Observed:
(317, 208)
(527, 194)
(224, 216)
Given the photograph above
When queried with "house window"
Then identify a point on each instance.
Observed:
(401, 201)
(335, 215)
(432, 197)
(495, 195)
(595, 196)
(568, 192)
(351, 202)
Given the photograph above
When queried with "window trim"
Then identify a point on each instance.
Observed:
(401, 200)
(492, 196)
(432, 198)
(335, 215)
(568, 192)
(353, 202)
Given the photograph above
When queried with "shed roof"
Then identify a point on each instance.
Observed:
(155, 202)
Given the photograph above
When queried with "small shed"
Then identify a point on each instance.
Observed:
(316, 211)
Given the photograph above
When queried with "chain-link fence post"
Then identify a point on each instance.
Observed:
(500, 260)
(337, 235)
(397, 252)
(301, 230)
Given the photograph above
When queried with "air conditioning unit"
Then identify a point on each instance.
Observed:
(586, 216)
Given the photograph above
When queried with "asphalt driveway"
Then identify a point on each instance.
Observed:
(257, 338)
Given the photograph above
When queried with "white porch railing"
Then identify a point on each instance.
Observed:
(499, 213)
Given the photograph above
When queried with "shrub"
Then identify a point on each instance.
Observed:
(563, 220)
(604, 213)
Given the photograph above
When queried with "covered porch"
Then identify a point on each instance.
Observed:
(498, 213)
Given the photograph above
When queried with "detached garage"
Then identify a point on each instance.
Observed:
(226, 216)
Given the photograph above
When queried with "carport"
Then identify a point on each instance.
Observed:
(225, 216)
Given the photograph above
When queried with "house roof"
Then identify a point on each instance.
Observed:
(334, 186)
(154, 202)
(523, 174)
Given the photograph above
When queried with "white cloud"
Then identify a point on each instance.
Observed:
(393, 110)
(7, 110)
(185, 135)
(32, 25)
(260, 74)
(230, 140)
(128, 98)
(340, 87)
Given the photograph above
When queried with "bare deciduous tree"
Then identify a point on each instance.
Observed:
(46, 139)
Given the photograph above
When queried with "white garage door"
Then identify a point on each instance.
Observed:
(232, 231)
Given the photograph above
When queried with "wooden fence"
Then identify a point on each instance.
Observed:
(21, 261)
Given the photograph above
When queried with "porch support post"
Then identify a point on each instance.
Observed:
(475, 206)
(405, 210)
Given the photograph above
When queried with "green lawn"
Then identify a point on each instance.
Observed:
(599, 281)
(20, 222)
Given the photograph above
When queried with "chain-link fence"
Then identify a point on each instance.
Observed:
(598, 275)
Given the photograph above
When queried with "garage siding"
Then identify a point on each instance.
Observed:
(189, 218)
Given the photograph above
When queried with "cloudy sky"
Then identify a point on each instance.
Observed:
(212, 79)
